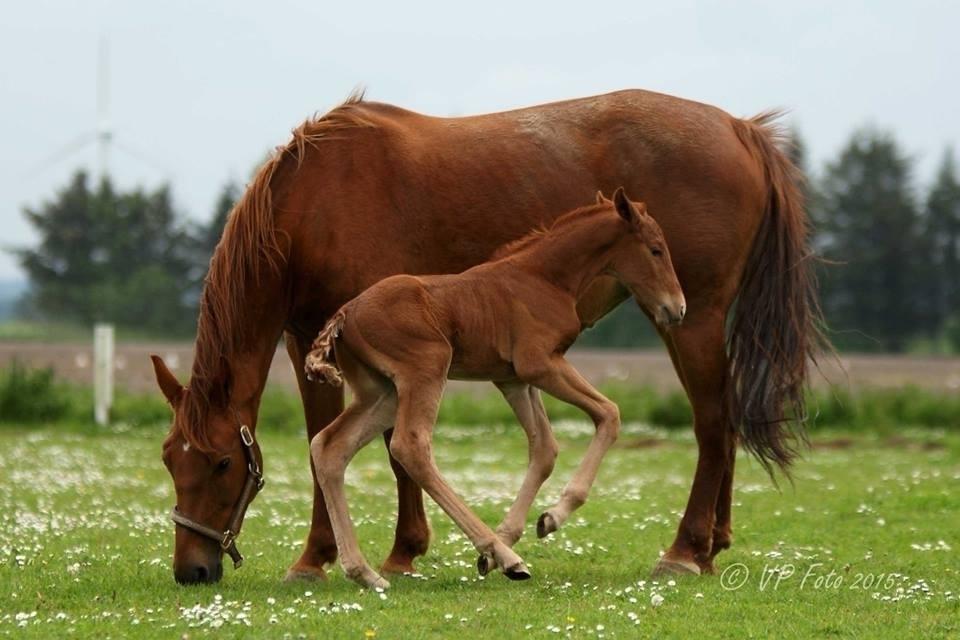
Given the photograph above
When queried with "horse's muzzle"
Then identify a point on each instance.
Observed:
(199, 573)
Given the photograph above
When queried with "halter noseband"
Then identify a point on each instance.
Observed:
(228, 538)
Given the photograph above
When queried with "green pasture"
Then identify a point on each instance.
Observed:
(863, 544)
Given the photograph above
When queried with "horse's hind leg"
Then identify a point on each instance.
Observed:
(700, 351)
(417, 404)
(558, 378)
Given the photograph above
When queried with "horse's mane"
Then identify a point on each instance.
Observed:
(526, 240)
(248, 250)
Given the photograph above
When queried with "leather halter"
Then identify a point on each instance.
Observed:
(228, 538)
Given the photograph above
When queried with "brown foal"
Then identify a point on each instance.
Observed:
(509, 321)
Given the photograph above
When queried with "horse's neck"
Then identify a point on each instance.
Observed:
(251, 365)
(570, 257)
(245, 357)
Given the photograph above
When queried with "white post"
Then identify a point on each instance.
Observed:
(102, 372)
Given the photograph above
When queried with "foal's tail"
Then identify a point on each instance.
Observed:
(318, 364)
(774, 332)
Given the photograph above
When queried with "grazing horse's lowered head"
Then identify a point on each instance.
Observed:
(215, 479)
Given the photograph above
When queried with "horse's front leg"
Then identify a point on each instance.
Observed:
(322, 403)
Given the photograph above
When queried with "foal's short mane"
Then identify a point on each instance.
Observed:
(248, 250)
(524, 241)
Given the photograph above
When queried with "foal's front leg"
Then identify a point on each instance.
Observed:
(558, 378)
(541, 450)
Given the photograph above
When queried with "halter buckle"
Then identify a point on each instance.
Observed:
(245, 436)
(229, 537)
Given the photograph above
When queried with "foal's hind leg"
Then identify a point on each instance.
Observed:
(417, 406)
(542, 452)
(332, 449)
(412, 535)
(558, 378)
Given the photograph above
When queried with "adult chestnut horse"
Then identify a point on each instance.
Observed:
(370, 190)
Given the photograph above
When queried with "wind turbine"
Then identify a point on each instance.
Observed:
(102, 136)
(104, 132)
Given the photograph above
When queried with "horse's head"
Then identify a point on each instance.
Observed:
(214, 478)
(641, 262)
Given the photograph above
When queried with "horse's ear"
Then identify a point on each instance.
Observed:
(624, 207)
(171, 388)
(600, 198)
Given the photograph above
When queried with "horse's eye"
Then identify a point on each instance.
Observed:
(656, 252)
(223, 465)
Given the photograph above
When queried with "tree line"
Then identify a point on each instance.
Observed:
(889, 255)
(129, 258)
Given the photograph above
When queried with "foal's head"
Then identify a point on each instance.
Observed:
(640, 260)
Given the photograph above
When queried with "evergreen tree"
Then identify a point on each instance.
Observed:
(943, 230)
(210, 234)
(797, 152)
(868, 224)
(108, 256)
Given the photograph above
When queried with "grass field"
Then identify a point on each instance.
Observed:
(862, 546)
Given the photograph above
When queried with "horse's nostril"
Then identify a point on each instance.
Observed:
(201, 573)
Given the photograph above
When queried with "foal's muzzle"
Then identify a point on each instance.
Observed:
(670, 313)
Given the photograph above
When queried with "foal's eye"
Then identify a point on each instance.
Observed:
(223, 465)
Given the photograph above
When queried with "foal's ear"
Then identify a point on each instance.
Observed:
(624, 207)
(171, 388)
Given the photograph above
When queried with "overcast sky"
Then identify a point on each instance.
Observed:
(199, 91)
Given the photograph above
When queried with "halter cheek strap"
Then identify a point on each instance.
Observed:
(254, 483)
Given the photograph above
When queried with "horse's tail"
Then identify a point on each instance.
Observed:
(774, 332)
(318, 363)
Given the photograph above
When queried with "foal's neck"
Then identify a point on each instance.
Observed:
(570, 256)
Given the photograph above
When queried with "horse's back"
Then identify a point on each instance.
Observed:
(410, 193)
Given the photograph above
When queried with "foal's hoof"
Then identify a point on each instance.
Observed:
(518, 571)
(675, 568)
(545, 525)
(485, 564)
(367, 577)
(380, 583)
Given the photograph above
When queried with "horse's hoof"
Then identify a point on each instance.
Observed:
(545, 525)
(397, 567)
(518, 571)
(304, 574)
(485, 564)
(675, 567)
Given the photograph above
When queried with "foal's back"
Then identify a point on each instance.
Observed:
(479, 318)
